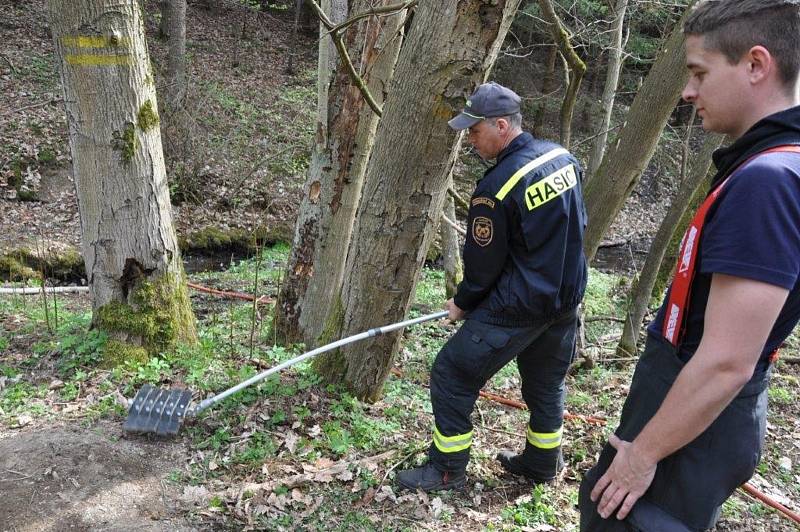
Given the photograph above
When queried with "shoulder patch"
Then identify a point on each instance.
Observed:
(483, 201)
(551, 187)
(482, 230)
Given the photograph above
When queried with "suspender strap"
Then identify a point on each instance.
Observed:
(678, 302)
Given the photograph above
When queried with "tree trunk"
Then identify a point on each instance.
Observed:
(627, 158)
(577, 68)
(165, 23)
(345, 135)
(176, 57)
(450, 48)
(642, 289)
(451, 247)
(129, 247)
(610, 88)
(548, 86)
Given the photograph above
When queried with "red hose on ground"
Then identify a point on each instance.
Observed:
(232, 295)
(769, 501)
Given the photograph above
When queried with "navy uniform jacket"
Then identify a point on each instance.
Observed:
(523, 255)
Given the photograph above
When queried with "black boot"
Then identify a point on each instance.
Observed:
(519, 464)
(427, 478)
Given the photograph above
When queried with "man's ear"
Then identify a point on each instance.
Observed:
(503, 125)
(760, 64)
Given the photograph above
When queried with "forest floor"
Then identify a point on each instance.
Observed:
(289, 454)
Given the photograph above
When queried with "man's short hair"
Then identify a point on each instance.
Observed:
(514, 120)
(732, 27)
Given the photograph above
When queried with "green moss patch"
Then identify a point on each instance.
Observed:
(147, 118)
(25, 263)
(157, 317)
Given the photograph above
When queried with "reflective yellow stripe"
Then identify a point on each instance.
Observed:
(545, 440)
(519, 174)
(551, 187)
(473, 116)
(94, 41)
(451, 444)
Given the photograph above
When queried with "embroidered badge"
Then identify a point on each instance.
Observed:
(483, 201)
(482, 230)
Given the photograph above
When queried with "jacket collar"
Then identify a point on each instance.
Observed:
(774, 130)
(518, 143)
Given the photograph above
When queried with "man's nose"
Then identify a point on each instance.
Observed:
(689, 93)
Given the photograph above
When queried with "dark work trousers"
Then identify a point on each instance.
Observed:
(691, 484)
(479, 350)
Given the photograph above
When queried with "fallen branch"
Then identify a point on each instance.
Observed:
(13, 69)
(231, 295)
(32, 106)
(603, 318)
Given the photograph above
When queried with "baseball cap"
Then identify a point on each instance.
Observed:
(489, 100)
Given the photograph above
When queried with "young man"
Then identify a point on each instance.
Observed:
(524, 276)
(694, 421)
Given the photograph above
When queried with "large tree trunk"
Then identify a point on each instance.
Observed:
(129, 247)
(450, 48)
(610, 88)
(643, 287)
(345, 136)
(627, 159)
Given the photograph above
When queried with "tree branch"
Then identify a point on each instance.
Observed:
(13, 69)
(376, 11)
(454, 225)
(345, 57)
(457, 198)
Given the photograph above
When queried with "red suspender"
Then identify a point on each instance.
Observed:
(675, 314)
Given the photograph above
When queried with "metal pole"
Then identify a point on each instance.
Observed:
(211, 401)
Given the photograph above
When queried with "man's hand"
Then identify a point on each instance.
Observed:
(626, 479)
(455, 313)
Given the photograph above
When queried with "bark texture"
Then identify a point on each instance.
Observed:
(449, 50)
(451, 247)
(642, 289)
(128, 242)
(336, 176)
(176, 57)
(627, 158)
(610, 87)
(300, 267)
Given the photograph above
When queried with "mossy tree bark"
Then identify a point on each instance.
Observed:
(345, 135)
(642, 289)
(577, 68)
(448, 52)
(626, 159)
(128, 241)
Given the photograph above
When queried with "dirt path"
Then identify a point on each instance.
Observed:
(72, 477)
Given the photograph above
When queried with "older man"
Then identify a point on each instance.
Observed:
(524, 277)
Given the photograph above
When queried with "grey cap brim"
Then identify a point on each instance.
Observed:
(463, 121)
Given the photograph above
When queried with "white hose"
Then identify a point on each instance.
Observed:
(32, 290)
